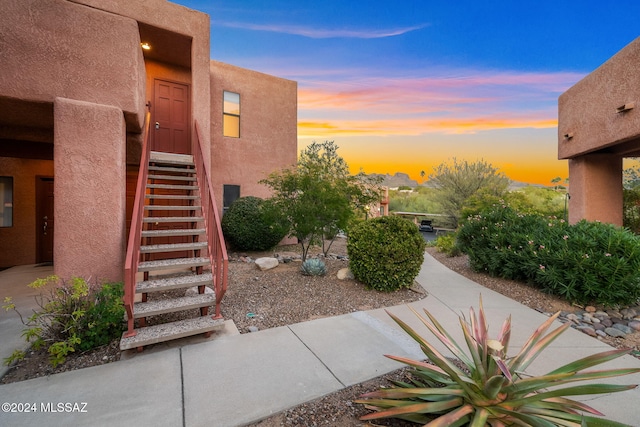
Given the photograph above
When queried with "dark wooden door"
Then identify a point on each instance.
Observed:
(171, 118)
(44, 219)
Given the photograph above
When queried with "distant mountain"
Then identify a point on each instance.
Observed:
(400, 179)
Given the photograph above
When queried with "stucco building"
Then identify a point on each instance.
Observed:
(598, 126)
(75, 85)
(120, 144)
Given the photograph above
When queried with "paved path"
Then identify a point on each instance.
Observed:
(233, 379)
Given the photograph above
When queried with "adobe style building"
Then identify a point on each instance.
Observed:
(598, 126)
(75, 86)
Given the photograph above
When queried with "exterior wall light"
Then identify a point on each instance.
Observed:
(145, 46)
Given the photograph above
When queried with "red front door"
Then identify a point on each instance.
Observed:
(44, 219)
(170, 123)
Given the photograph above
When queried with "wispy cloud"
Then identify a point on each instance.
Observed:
(323, 33)
(453, 103)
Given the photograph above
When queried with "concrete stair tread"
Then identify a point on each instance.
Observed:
(164, 264)
(171, 196)
(170, 331)
(172, 219)
(173, 232)
(174, 281)
(171, 169)
(170, 158)
(172, 187)
(170, 247)
(169, 305)
(172, 208)
(172, 177)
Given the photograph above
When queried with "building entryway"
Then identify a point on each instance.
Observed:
(170, 122)
(44, 219)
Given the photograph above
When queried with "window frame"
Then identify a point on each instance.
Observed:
(7, 198)
(230, 114)
(226, 190)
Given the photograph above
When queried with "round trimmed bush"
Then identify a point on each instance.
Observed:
(253, 224)
(385, 253)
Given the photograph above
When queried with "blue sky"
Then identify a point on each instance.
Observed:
(404, 87)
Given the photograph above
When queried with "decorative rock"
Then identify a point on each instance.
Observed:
(614, 313)
(590, 309)
(602, 334)
(606, 322)
(252, 328)
(572, 317)
(194, 291)
(587, 330)
(623, 328)
(635, 325)
(345, 273)
(598, 327)
(267, 263)
(628, 313)
(614, 332)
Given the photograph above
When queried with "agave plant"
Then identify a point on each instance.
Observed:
(488, 388)
(314, 267)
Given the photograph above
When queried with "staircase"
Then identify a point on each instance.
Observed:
(175, 244)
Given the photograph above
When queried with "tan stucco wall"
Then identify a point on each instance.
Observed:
(178, 19)
(595, 135)
(18, 243)
(268, 129)
(588, 110)
(89, 187)
(51, 48)
(596, 188)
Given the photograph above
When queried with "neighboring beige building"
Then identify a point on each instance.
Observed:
(74, 89)
(598, 126)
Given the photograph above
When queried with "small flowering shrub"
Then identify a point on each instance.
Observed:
(73, 315)
(447, 244)
(588, 262)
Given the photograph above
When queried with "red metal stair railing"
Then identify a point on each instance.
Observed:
(135, 233)
(215, 239)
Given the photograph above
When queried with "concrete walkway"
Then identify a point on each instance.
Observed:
(234, 379)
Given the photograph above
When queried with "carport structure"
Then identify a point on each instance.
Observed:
(598, 126)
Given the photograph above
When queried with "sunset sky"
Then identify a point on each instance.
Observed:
(405, 86)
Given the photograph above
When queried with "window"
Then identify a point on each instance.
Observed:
(229, 195)
(6, 201)
(231, 115)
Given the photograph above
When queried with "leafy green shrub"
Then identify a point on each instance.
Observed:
(385, 253)
(253, 224)
(314, 267)
(446, 243)
(73, 315)
(588, 262)
(492, 389)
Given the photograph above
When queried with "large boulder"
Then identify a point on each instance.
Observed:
(267, 263)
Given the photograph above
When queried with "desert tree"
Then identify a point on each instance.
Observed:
(456, 182)
(319, 197)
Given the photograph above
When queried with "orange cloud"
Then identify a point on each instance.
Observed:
(324, 129)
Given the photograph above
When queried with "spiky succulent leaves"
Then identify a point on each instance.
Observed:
(535, 344)
(437, 358)
(493, 393)
(441, 333)
(314, 267)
